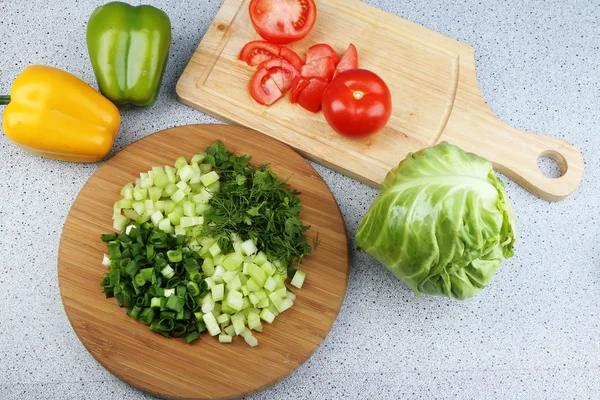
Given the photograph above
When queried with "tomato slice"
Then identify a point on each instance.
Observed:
(308, 93)
(263, 88)
(281, 71)
(283, 21)
(348, 61)
(298, 86)
(323, 68)
(292, 57)
(319, 51)
(258, 51)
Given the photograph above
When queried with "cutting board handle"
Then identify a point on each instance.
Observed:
(521, 163)
(515, 153)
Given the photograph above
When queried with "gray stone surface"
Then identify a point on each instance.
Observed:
(534, 333)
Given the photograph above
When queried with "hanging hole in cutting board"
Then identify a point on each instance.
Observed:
(552, 164)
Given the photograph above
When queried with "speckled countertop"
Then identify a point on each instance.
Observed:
(534, 333)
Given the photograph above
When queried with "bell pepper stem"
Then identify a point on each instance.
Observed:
(4, 100)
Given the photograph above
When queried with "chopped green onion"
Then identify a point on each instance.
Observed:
(193, 288)
(114, 250)
(110, 237)
(175, 303)
(174, 256)
(146, 316)
(192, 336)
(155, 302)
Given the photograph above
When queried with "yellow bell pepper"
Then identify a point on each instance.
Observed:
(54, 114)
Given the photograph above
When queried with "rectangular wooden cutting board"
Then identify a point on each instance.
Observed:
(434, 90)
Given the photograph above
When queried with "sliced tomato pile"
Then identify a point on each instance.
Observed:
(280, 70)
(273, 80)
(322, 64)
(355, 102)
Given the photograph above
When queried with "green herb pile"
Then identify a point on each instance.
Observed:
(255, 204)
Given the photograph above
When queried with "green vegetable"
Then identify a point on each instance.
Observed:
(151, 290)
(441, 223)
(129, 48)
(255, 204)
(180, 272)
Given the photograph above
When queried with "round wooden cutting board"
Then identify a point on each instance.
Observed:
(205, 369)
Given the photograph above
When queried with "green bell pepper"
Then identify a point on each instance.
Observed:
(129, 50)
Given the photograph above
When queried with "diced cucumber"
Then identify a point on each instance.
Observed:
(211, 324)
(214, 187)
(201, 208)
(191, 221)
(252, 285)
(268, 268)
(178, 196)
(228, 276)
(270, 284)
(235, 283)
(209, 178)
(267, 315)
(175, 216)
(156, 217)
(250, 339)
(249, 247)
(198, 158)
(123, 203)
(260, 258)
(139, 207)
(245, 290)
(261, 294)
(235, 300)
(171, 189)
(298, 279)
(186, 173)
(169, 206)
(281, 292)
(120, 222)
(254, 321)
(127, 191)
(218, 275)
(264, 303)
(180, 163)
(239, 326)
(286, 304)
(140, 194)
(165, 225)
(291, 295)
(214, 250)
(149, 204)
(218, 292)
(230, 330)
(253, 299)
(223, 319)
(208, 267)
(131, 214)
(225, 339)
(257, 274)
(155, 193)
(233, 261)
(171, 173)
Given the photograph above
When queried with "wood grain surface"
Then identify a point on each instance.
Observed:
(205, 369)
(434, 88)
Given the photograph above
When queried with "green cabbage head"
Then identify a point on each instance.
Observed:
(442, 222)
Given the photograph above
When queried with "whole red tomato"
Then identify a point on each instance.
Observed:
(357, 103)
